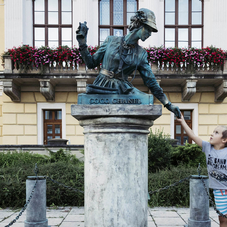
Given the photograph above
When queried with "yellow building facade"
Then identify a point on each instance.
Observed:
(24, 100)
(19, 121)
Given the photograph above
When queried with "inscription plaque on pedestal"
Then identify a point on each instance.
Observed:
(98, 99)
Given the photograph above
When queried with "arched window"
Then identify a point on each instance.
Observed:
(114, 17)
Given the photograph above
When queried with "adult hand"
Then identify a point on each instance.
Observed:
(174, 109)
(81, 34)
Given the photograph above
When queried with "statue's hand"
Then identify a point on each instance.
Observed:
(174, 109)
(81, 34)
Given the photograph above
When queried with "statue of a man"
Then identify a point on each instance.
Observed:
(120, 57)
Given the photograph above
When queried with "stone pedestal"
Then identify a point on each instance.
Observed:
(116, 163)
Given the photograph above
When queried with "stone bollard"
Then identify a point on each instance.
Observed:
(199, 202)
(36, 209)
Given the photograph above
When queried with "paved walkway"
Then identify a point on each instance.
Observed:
(74, 216)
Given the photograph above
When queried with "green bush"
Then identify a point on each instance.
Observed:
(18, 158)
(162, 155)
(188, 155)
(159, 151)
(63, 155)
(174, 196)
(60, 166)
(15, 158)
(68, 174)
(13, 183)
(67, 169)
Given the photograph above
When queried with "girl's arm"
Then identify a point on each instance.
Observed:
(189, 132)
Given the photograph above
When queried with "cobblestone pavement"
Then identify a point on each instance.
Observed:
(74, 216)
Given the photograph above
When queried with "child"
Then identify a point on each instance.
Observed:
(216, 159)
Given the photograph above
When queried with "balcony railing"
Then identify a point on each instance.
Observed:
(52, 67)
(184, 68)
(27, 59)
(72, 67)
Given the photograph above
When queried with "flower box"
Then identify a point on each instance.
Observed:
(27, 59)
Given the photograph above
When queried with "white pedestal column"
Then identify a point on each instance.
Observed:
(116, 163)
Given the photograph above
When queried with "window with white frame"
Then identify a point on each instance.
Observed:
(190, 112)
(52, 124)
(184, 23)
(51, 121)
(52, 23)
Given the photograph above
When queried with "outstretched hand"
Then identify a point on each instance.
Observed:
(174, 109)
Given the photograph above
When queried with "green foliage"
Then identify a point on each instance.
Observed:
(63, 155)
(65, 168)
(60, 166)
(162, 155)
(15, 158)
(174, 196)
(69, 174)
(168, 165)
(188, 155)
(159, 151)
(13, 184)
(19, 158)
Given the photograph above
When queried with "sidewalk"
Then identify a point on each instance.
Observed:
(74, 216)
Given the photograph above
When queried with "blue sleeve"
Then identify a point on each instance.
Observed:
(148, 77)
(94, 60)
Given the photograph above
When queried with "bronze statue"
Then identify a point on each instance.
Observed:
(120, 56)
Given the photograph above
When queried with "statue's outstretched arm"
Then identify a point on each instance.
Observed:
(150, 81)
